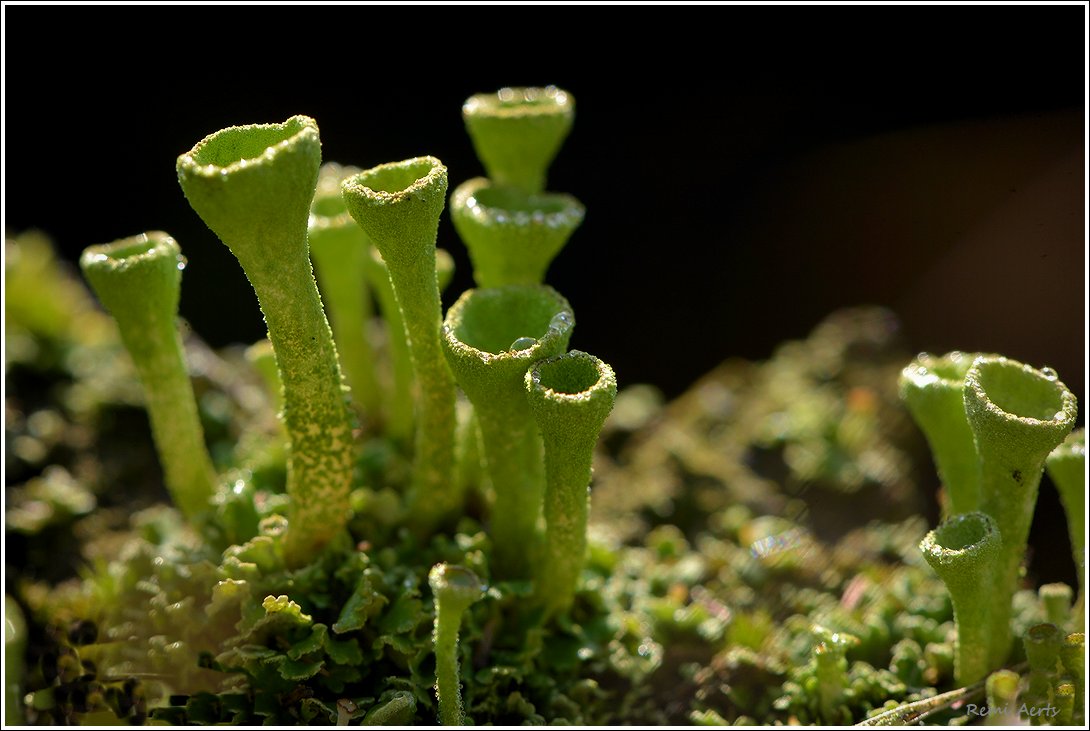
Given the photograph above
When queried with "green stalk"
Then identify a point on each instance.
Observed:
(518, 131)
(1002, 694)
(139, 281)
(253, 186)
(512, 236)
(932, 389)
(491, 337)
(399, 400)
(398, 205)
(455, 589)
(1018, 415)
(570, 397)
(1067, 468)
(339, 249)
(965, 551)
(1042, 643)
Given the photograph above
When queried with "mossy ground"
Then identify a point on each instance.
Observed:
(753, 551)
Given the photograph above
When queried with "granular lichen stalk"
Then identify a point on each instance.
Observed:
(253, 186)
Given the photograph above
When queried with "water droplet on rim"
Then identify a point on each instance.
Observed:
(523, 343)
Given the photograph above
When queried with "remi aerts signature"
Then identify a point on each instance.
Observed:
(1025, 710)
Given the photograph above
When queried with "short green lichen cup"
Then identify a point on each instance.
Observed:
(965, 551)
(455, 589)
(253, 186)
(932, 389)
(570, 396)
(491, 337)
(512, 236)
(138, 280)
(518, 131)
(398, 205)
(1018, 415)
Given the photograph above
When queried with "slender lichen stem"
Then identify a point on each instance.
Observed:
(139, 281)
(253, 187)
(491, 337)
(1067, 468)
(398, 205)
(1018, 415)
(339, 249)
(965, 551)
(455, 589)
(570, 397)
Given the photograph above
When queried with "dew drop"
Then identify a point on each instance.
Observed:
(923, 355)
(523, 343)
(1049, 373)
(560, 321)
(182, 261)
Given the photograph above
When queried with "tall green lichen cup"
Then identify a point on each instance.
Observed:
(512, 236)
(491, 337)
(518, 131)
(253, 187)
(1018, 415)
(570, 397)
(398, 205)
(964, 551)
(139, 281)
(932, 387)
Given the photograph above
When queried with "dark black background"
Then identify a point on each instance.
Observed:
(746, 170)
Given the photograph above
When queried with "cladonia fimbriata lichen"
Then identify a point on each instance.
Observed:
(253, 186)
(139, 281)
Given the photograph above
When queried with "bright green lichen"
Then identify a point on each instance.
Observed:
(518, 131)
(932, 388)
(491, 337)
(512, 236)
(455, 589)
(963, 551)
(570, 397)
(253, 187)
(1067, 468)
(1018, 415)
(339, 250)
(398, 205)
(139, 282)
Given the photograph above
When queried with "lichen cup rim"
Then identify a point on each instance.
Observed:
(132, 251)
(552, 333)
(1066, 409)
(946, 370)
(567, 211)
(299, 130)
(605, 377)
(970, 531)
(520, 101)
(376, 194)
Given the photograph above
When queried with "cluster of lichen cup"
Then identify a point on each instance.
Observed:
(531, 411)
(994, 425)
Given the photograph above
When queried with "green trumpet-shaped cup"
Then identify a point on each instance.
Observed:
(965, 551)
(491, 337)
(253, 187)
(512, 236)
(1018, 415)
(570, 397)
(518, 131)
(398, 205)
(932, 389)
(139, 281)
